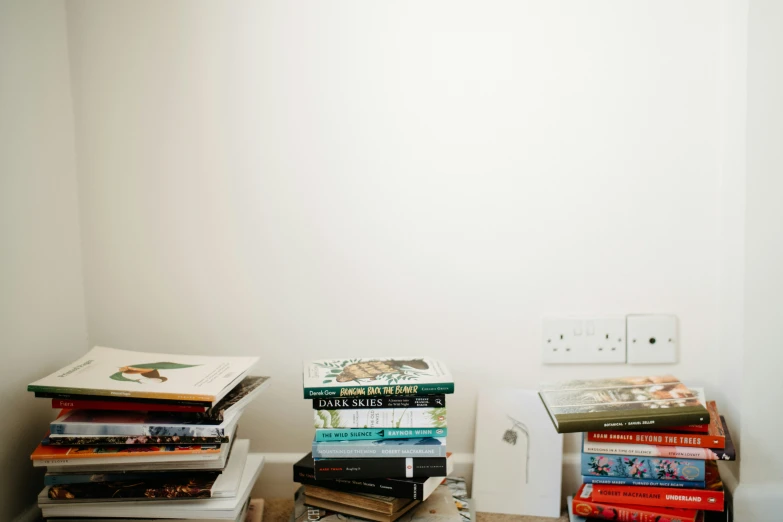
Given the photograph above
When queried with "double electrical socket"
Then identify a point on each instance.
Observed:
(636, 339)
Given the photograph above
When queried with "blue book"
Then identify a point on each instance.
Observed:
(649, 468)
(408, 448)
(331, 434)
(628, 481)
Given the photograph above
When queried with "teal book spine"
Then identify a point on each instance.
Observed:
(323, 435)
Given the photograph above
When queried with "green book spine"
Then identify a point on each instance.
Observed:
(324, 435)
(373, 391)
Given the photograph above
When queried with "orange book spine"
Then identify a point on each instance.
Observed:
(659, 497)
(585, 505)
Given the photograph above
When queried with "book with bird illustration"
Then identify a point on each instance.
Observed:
(123, 373)
(378, 376)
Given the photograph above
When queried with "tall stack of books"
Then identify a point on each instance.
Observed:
(379, 448)
(148, 436)
(649, 450)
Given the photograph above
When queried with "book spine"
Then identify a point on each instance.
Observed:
(627, 481)
(657, 438)
(647, 450)
(574, 423)
(122, 406)
(54, 479)
(124, 394)
(324, 435)
(89, 428)
(386, 401)
(110, 398)
(391, 488)
(375, 468)
(328, 450)
(381, 418)
(367, 391)
(138, 440)
(659, 497)
(606, 511)
(642, 467)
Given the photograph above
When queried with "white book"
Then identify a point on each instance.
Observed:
(141, 375)
(196, 509)
(139, 423)
(243, 517)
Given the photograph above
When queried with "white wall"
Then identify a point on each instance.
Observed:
(309, 180)
(42, 323)
(758, 497)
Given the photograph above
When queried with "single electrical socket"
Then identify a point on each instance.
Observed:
(583, 340)
(605, 339)
(652, 339)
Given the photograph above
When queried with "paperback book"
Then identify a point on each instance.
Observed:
(710, 498)
(129, 374)
(329, 434)
(642, 467)
(138, 423)
(62, 479)
(622, 403)
(115, 440)
(417, 488)
(61, 455)
(375, 377)
(376, 503)
(123, 405)
(393, 467)
(351, 508)
(671, 452)
(714, 438)
(384, 401)
(426, 447)
(629, 481)
(585, 505)
(381, 418)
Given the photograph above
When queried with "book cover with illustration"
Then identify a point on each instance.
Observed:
(622, 403)
(424, 447)
(115, 440)
(381, 418)
(714, 438)
(585, 505)
(662, 450)
(196, 486)
(334, 378)
(642, 467)
(710, 498)
(124, 373)
(60, 453)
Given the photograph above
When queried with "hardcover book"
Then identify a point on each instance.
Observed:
(381, 418)
(585, 505)
(351, 509)
(709, 499)
(129, 374)
(394, 467)
(671, 452)
(64, 479)
(91, 404)
(384, 401)
(714, 438)
(138, 423)
(622, 403)
(60, 454)
(329, 434)
(375, 377)
(439, 507)
(418, 488)
(426, 447)
(642, 467)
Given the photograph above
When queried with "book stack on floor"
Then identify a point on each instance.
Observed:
(379, 449)
(143, 436)
(649, 447)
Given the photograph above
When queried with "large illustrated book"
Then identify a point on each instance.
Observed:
(123, 373)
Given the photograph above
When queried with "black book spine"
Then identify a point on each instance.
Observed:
(386, 401)
(386, 487)
(72, 396)
(380, 467)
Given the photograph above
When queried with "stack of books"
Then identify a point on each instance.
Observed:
(649, 447)
(147, 435)
(379, 448)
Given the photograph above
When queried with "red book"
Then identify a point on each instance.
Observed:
(710, 498)
(77, 404)
(714, 438)
(585, 505)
